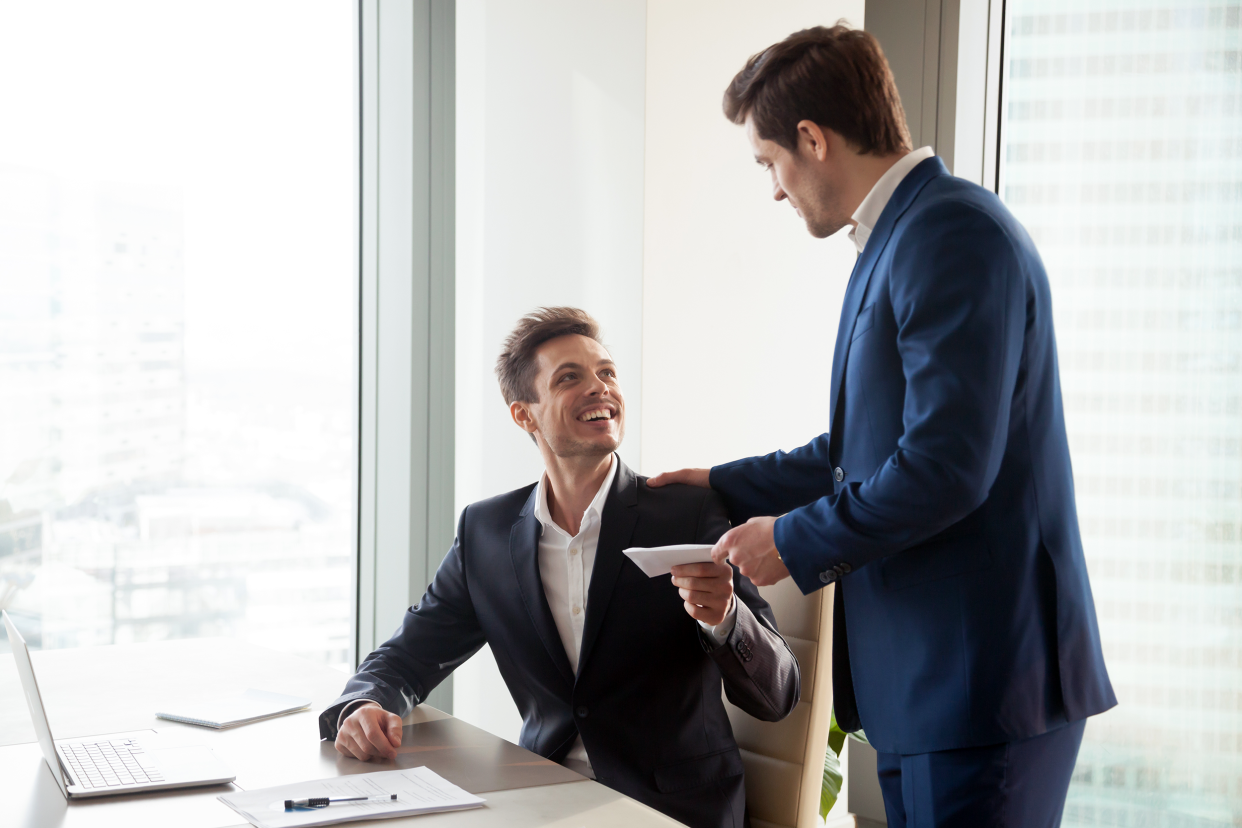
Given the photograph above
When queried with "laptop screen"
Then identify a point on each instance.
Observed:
(25, 670)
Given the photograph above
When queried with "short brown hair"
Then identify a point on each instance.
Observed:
(516, 367)
(836, 77)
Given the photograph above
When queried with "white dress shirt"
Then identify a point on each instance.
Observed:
(565, 565)
(868, 213)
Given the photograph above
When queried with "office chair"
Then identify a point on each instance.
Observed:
(784, 760)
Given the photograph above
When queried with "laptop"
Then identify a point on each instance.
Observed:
(115, 763)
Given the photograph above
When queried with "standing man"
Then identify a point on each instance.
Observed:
(941, 501)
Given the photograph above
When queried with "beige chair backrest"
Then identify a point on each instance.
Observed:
(785, 760)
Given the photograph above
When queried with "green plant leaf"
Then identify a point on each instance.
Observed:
(830, 790)
(836, 736)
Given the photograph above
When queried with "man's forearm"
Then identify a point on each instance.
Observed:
(775, 483)
(760, 672)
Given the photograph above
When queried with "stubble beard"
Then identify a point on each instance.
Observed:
(824, 215)
(570, 447)
(823, 227)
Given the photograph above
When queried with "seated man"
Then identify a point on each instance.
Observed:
(616, 675)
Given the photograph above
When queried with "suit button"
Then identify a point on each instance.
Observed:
(838, 474)
(827, 577)
(845, 569)
(582, 712)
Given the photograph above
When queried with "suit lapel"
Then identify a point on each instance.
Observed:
(616, 529)
(903, 197)
(524, 554)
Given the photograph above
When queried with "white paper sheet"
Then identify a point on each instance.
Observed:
(250, 706)
(419, 791)
(660, 560)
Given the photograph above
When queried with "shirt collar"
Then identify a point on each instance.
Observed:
(544, 515)
(868, 213)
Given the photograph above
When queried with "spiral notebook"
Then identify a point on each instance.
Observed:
(247, 707)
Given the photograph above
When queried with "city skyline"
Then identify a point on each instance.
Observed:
(1122, 157)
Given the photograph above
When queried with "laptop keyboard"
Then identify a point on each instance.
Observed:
(110, 764)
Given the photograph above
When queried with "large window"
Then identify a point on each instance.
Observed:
(178, 331)
(1122, 154)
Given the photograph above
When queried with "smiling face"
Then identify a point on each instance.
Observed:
(581, 410)
(807, 177)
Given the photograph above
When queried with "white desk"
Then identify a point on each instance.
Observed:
(113, 689)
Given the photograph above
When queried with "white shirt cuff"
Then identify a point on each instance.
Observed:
(350, 708)
(719, 634)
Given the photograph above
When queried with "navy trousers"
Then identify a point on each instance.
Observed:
(1011, 785)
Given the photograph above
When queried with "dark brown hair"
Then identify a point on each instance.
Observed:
(836, 77)
(516, 366)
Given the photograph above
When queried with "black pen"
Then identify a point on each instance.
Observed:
(323, 801)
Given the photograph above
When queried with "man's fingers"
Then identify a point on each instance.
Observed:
(708, 615)
(349, 747)
(376, 738)
(702, 570)
(720, 552)
(394, 729)
(717, 585)
(703, 599)
(355, 745)
(692, 477)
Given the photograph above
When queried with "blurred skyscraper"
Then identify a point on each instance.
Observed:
(1122, 154)
(116, 523)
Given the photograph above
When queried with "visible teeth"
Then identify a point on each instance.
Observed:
(601, 414)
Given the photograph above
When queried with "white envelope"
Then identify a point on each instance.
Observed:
(660, 560)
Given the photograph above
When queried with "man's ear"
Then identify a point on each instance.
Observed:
(521, 414)
(813, 139)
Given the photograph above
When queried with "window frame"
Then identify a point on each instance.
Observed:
(406, 318)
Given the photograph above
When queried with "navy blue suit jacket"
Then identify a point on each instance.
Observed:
(941, 501)
(647, 694)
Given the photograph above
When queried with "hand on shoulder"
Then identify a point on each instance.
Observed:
(691, 477)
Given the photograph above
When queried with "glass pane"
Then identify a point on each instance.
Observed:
(1122, 154)
(177, 336)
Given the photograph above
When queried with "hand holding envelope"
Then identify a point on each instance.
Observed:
(706, 587)
(660, 560)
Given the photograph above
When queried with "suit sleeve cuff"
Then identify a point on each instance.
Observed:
(719, 634)
(795, 558)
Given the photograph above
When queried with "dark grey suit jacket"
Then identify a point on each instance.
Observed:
(647, 694)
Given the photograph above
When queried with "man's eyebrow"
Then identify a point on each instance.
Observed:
(579, 367)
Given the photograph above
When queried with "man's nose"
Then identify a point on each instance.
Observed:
(598, 387)
(777, 193)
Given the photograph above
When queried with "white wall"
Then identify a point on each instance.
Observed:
(549, 211)
(740, 304)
